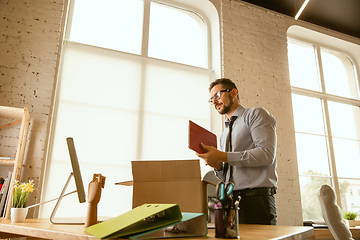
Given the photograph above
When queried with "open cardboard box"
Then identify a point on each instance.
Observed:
(175, 181)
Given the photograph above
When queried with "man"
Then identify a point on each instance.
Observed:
(250, 154)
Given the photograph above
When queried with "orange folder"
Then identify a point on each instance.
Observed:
(197, 135)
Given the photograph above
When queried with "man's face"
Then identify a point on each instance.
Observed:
(223, 103)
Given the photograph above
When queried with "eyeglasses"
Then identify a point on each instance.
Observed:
(218, 95)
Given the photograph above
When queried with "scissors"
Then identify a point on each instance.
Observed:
(224, 190)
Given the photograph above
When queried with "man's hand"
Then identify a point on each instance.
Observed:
(213, 157)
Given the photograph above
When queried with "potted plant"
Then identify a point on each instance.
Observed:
(20, 196)
(350, 218)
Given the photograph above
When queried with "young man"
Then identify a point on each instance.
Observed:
(249, 154)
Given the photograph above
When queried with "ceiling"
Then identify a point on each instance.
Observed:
(339, 15)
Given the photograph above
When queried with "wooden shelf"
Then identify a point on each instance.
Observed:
(20, 116)
(7, 162)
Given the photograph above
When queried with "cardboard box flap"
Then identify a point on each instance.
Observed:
(125, 183)
(171, 170)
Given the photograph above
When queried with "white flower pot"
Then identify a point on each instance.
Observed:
(18, 214)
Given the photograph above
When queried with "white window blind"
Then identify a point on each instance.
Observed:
(120, 107)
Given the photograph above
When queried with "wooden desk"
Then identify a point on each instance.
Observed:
(44, 229)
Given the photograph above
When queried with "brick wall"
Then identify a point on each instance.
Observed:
(255, 56)
(29, 39)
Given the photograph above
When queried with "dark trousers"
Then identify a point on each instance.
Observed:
(258, 210)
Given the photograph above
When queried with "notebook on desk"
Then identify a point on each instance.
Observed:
(315, 224)
(320, 225)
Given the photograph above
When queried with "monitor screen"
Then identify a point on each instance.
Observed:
(76, 170)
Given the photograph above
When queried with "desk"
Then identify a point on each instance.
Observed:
(43, 228)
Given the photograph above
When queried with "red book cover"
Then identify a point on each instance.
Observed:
(197, 135)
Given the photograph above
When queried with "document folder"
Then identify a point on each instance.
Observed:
(191, 225)
(141, 219)
(197, 135)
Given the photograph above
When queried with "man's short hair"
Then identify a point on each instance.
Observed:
(226, 83)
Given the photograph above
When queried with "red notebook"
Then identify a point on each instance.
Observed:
(197, 135)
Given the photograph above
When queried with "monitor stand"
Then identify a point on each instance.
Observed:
(64, 221)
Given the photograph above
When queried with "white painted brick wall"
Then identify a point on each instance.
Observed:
(255, 56)
(29, 37)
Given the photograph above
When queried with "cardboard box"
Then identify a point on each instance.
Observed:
(172, 182)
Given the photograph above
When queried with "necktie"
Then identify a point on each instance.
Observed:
(228, 148)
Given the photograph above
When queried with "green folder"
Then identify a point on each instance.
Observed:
(140, 219)
(191, 225)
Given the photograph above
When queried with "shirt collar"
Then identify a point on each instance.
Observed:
(238, 112)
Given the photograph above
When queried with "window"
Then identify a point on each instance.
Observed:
(185, 38)
(325, 96)
(132, 74)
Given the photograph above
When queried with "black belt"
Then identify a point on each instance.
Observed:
(264, 191)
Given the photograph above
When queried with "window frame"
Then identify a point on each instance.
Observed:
(212, 64)
(146, 25)
(325, 98)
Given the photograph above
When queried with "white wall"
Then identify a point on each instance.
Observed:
(255, 56)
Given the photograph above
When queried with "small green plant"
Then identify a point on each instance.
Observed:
(349, 215)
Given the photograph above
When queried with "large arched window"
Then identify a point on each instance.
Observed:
(326, 104)
(132, 73)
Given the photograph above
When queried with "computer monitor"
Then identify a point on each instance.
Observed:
(76, 170)
(76, 173)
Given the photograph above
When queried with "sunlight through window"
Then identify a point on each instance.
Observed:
(327, 126)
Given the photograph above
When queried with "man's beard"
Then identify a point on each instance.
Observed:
(225, 109)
